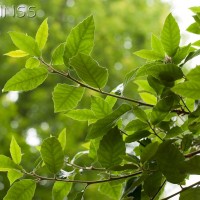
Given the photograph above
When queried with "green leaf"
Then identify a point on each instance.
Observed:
(149, 151)
(194, 74)
(66, 97)
(112, 189)
(170, 36)
(21, 190)
(81, 114)
(136, 125)
(190, 194)
(140, 114)
(188, 89)
(173, 132)
(32, 63)
(7, 164)
(111, 101)
(16, 54)
(102, 126)
(100, 107)
(186, 142)
(161, 109)
(42, 34)
(52, 154)
(149, 54)
(157, 46)
(192, 55)
(57, 55)
(61, 190)
(124, 167)
(192, 166)
(15, 151)
(26, 79)
(89, 70)
(195, 9)
(80, 39)
(194, 28)
(197, 43)
(181, 53)
(130, 77)
(110, 148)
(62, 138)
(170, 161)
(137, 136)
(155, 84)
(13, 175)
(25, 43)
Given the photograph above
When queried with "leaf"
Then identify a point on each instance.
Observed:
(149, 54)
(112, 190)
(195, 9)
(157, 46)
(186, 142)
(89, 70)
(15, 151)
(21, 190)
(190, 194)
(194, 74)
(25, 43)
(192, 166)
(137, 136)
(148, 98)
(57, 55)
(170, 162)
(26, 79)
(181, 53)
(173, 132)
(136, 125)
(100, 107)
(61, 190)
(16, 54)
(170, 36)
(7, 164)
(192, 55)
(66, 97)
(81, 114)
(13, 175)
(130, 77)
(140, 114)
(52, 154)
(42, 34)
(80, 39)
(111, 101)
(188, 89)
(32, 63)
(194, 28)
(110, 148)
(102, 126)
(62, 138)
(155, 84)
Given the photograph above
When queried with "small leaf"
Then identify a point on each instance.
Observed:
(110, 148)
(102, 126)
(52, 154)
(25, 43)
(186, 142)
(21, 190)
(149, 54)
(194, 74)
(136, 125)
(32, 63)
(62, 138)
(155, 84)
(89, 70)
(16, 54)
(138, 135)
(26, 79)
(57, 55)
(192, 55)
(42, 34)
(66, 97)
(157, 46)
(13, 175)
(61, 190)
(190, 194)
(111, 101)
(192, 166)
(130, 77)
(181, 53)
(140, 114)
(7, 164)
(170, 36)
(195, 9)
(15, 151)
(80, 39)
(81, 114)
(194, 28)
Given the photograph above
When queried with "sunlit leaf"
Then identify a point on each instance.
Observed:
(156, 45)
(15, 151)
(57, 55)
(7, 164)
(16, 54)
(62, 138)
(61, 190)
(13, 175)
(32, 63)
(149, 54)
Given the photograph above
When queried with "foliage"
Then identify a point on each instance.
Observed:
(163, 136)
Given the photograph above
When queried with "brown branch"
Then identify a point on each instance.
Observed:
(189, 155)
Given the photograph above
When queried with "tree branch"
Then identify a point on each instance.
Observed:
(192, 154)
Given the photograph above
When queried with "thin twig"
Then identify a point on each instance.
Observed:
(159, 189)
(192, 154)
(185, 104)
(154, 132)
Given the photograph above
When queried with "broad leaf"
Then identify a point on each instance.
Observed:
(81, 114)
(149, 54)
(136, 125)
(192, 166)
(32, 63)
(194, 28)
(61, 190)
(26, 79)
(13, 175)
(62, 138)
(192, 55)
(110, 148)
(66, 97)
(190, 194)
(80, 39)
(16, 54)
(57, 55)
(156, 45)
(194, 74)
(21, 190)
(155, 84)
(140, 114)
(170, 36)
(52, 154)
(130, 77)
(15, 151)
(42, 34)
(102, 126)
(138, 135)
(111, 101)
(25, 43)
(7, 164)
(181, 53)
(89, 70)
(195, 9)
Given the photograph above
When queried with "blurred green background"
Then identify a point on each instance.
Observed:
(122, 27)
